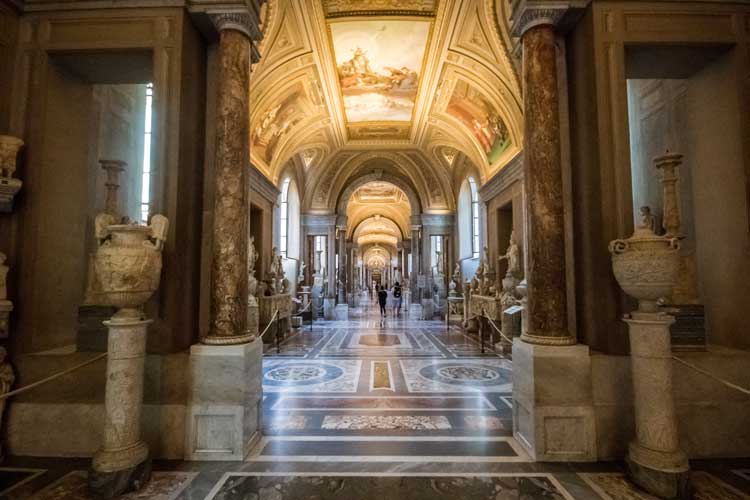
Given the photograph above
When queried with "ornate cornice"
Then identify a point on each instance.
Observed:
(510, 173)
(262, 185)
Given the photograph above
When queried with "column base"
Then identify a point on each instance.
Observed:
(558, 340)
(329, 309)
(111, 484)
(553, 410)
(224, 414)
(342, 312)
(228, 340)
(665, 475)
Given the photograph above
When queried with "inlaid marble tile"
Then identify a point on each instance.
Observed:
(487, 375)
(380, 376)
(615, 486)
(484, 423)
(287, 422)
(311, 375)
(388, 422)
(74, 486)
(490, 487)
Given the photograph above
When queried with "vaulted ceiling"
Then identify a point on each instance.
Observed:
(420, 83)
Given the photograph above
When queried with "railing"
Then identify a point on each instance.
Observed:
(25, 388)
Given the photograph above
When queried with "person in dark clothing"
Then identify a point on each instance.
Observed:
(382, 299)
(397, 298)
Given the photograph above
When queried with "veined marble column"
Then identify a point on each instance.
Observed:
(342, 265)
(230, 229)
(547, 313)
(415, 237)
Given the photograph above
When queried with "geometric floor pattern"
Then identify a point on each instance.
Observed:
(364, 409)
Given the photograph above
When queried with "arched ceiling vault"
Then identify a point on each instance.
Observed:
(415, 81)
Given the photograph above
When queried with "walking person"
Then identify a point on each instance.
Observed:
(397, 299)
(382, 299)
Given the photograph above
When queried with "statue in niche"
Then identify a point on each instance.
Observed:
(647, 222)
(275, 262)
(439, 262)
(252, 258)
(512, 255)
(7, 377)
(301, 274)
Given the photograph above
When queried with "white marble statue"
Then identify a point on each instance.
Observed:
(301, 274)
(275, 262)
(647, 222)
(512, 255)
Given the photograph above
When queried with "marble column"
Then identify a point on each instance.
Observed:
(544, 190)
(415, 237)
(341, 288)
(230, 227)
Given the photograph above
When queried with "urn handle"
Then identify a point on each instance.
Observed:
(616, 247)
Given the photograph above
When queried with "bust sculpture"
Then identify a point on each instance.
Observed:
(647, 222)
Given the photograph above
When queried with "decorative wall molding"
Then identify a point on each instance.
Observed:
(260, 183)
(530, 13)
(507, 176)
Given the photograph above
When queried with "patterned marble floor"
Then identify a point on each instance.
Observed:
(375, 410)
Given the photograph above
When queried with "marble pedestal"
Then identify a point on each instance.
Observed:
(329, 308)
(655, 460)
(224, 411)
(415, 311)
(122, 464)
(342, 312)
(553, 412)
(428, 309)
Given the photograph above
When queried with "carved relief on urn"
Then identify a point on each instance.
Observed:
(646, 266)
(9, 186)
(128, 263)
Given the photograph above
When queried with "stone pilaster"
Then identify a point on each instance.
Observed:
(416, 235)
(230, 228)
(543, 182)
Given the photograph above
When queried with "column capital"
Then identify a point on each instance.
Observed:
(238, 20)
(528, 14)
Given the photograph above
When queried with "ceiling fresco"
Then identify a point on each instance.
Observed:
(430, 84)
(471, 108)
(379, 63)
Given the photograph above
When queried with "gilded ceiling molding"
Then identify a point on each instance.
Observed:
(358, 179)
(339, 8)
(400, 215)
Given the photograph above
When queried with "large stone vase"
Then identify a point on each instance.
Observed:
(128, 266)
(646, 265)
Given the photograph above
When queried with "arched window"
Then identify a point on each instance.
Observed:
(284, 220)
(474, 218)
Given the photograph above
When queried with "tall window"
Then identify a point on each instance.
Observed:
(147, 171)
(284, 222)
(474, 218)
(320, 246)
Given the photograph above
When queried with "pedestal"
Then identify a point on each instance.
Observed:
(342, 312)
(553, 412)
(655, 461)
(122, 464)
(415, 311)
(253, 316)
(224, 411)
(428, 309)
(329, 308)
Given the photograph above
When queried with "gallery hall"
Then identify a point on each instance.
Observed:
(374, 249)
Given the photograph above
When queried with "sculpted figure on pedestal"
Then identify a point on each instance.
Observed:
(512, 255)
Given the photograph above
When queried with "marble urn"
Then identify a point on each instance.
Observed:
(646, 266)
(128, 264)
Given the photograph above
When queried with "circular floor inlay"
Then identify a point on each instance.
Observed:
(465, 374)
(302, 374)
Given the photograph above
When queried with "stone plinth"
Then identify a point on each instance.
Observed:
(415, 311)
(655, 461)
(122, 464)
(224, 411)
(428, 309)
(329, 308)
(268, 305)
(342, 312)
(553, 413)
